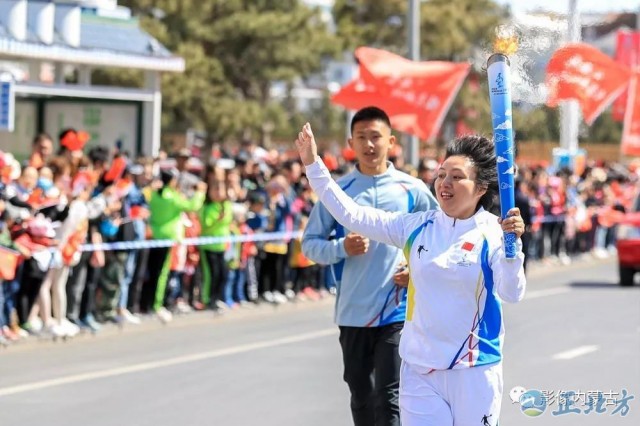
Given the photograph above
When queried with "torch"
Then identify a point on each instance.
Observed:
(498, 70)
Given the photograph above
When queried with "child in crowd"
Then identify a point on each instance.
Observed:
(304, 271)
(10, 267)
(215, 219)
(238, 256)
(272, 279)
(111, 225)
(257, 221)
(192, 278)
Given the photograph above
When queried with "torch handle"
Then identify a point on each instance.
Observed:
(498, 70)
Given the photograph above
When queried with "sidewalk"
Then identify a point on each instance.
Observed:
(257, 311)
(153, 323)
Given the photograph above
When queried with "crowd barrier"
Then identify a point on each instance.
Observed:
(273, 236)
(260, 237)
(199, 241)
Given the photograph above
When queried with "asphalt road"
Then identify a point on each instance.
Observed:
(576, 330)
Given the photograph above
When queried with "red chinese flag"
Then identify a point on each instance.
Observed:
(631, 132)
(627, 54)
(581, 72)
(467, 246)
(8, 263)
(118, 166)
(416, 95)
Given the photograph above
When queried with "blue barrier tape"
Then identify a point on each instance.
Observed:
(548, 219)
(145, 244)
(261, 237)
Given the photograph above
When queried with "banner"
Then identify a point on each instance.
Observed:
(631, 131)
(627, 54)
(581, 72)
(415, 95)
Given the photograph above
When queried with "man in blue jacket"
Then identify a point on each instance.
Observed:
(372, 281)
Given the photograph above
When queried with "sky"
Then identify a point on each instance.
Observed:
(563, 5)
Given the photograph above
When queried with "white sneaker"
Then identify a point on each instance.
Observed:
(69, 328)
(164, 315)
(22, 333)
(279, 298)
(183, 308)
(36, 324)
(128, 317)
(290, 294)
(600, 253)
(268, 296)
(56, 330)
(564, 259)
(221, 305)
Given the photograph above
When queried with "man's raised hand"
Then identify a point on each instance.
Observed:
(306, 145)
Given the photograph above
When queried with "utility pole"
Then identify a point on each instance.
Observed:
(569, 110)
(413, 39)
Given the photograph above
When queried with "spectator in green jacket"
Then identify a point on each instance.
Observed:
(215, 218)
(166, 206)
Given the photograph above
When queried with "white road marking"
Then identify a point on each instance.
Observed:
(576, 352)
(146, 366)
(544, 293)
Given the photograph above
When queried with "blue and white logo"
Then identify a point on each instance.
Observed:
(533, 403)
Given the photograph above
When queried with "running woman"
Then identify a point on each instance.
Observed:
(451, 345)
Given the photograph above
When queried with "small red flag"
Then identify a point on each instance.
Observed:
(118, 166)
(467, 246)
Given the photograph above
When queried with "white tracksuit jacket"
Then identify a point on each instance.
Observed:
(459, 277)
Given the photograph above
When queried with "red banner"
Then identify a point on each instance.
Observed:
(627, 54)
(416, 95)
(631, 133)
(581, 72)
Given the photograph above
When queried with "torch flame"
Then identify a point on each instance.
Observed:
(506, 41)
(506, 45)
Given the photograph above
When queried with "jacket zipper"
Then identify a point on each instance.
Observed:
(375, 192)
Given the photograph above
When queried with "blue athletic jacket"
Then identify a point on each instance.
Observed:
(367, 296)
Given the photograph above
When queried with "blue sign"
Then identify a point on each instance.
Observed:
(7, 106)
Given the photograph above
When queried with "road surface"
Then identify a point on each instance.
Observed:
(576, 330)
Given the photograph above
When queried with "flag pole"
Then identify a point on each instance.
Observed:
(570, 110)
(413, 39)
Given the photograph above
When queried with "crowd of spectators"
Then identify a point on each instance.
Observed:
(60, 200)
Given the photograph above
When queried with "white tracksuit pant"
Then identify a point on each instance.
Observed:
(462, 397)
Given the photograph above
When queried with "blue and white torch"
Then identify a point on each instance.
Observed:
(498, 70)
